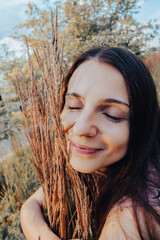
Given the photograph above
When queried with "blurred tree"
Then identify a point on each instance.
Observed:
(10, 68)
(83, 24)
(37, 27)
(91, 23)
(8, 61)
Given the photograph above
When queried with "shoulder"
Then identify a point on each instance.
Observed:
(120, 224)
(37, 197)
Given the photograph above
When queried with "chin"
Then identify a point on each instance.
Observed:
(81, 168)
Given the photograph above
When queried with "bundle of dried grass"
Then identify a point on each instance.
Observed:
(68, 195)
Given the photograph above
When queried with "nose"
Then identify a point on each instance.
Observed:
(85, 125)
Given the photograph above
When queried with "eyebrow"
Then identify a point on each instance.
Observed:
(108, 100)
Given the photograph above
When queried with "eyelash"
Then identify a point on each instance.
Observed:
(74, 108)
(116, 119)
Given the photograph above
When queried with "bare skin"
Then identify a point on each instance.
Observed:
(32, 221)
(95, 120)
(95, 116)
(120, 225)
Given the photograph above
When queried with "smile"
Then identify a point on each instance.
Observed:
(84, 149)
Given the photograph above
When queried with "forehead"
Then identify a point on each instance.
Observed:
(98, 80)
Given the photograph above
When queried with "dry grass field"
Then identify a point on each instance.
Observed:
(18, 179)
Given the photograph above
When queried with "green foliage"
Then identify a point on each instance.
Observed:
(17, 182)
(9, 68)
(37, 26)
(12, 67)
(82, 24)
(90, 23)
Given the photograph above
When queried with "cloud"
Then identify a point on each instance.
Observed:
(10, 17)
(155, 42)
(156, 15)
(10, 3)
(12, 13)
(140, 3)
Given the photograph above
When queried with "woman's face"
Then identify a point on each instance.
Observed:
(95, 117)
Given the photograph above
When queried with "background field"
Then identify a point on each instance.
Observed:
(86, 25)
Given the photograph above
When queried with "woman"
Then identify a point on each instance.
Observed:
(111, 122)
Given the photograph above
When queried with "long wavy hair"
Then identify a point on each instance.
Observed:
(139, 168)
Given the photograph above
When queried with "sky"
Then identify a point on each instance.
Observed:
(12, 12)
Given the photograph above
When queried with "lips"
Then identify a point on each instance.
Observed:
(84, 149)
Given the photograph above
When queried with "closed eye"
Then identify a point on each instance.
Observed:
(116, 119)
(74, 108)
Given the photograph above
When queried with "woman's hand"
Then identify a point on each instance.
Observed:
(31, 218)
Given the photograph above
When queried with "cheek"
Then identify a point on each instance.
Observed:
(117, 138)
(68, 119)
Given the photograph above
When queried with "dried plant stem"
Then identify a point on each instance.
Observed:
(66, 202)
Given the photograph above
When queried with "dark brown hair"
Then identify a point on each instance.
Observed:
(139, 169)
